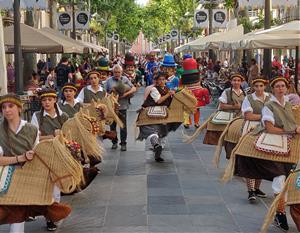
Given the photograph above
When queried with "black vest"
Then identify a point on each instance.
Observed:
(150, 101)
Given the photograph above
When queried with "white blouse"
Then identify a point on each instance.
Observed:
(80, 97)
(267, 114)
(246, 106)
(35, 121)
(223, 98)
(22, 124)
(154, 93)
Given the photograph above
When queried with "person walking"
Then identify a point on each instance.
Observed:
(121, 86)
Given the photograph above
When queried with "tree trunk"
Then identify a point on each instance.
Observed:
(52, 19)
(3, 79)
(29, 58)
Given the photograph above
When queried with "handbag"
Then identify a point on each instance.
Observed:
(248, 126)
(222, 118)
(6, 173)
(157, 112)
(273, 143)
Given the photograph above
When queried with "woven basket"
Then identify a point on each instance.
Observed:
(33, 183)
(234, 132)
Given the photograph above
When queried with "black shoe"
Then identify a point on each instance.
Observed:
(114, 146)
(281, 222)
(251, 196)
(123, 148)
(186, 126)
(51, 226)
(197, 126)
(157, 153)
(260, 193)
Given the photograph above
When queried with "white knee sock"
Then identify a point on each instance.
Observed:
(17, 227)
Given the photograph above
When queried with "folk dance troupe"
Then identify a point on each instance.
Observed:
(249, 124)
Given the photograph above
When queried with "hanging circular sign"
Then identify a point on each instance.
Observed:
(200, 17)
(220, 17)
(64, 18)
(82, 18)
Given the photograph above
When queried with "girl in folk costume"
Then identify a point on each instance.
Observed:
(266, 160)
(251, 108)
(50, 118)
(229, 108)
(191, 80)
(159, 95)
(94, 91)
(230, 102)
(17, 140)
(69, 104)
(49, 121)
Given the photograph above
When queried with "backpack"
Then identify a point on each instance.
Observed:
(62, 75)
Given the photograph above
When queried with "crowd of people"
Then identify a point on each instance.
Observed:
(173, 94)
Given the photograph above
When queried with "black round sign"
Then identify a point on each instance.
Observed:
(82, 18)
(116, 37)
(220, 17)
(64, 18)
(174, 33)
(200, 17)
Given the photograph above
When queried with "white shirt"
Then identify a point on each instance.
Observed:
(223, 98)
(225, 63)
(22, 124)
(75, 102)
(154, 93)
(80, 97)
(246, 106)
(35, 121)
(267, 114)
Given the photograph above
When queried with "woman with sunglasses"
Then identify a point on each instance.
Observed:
(265, 160)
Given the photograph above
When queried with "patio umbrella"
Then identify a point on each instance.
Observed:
(70, 45)
(32, 40)
(211, 41)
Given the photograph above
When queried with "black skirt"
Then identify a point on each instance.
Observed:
(254, 168)
(161, 129)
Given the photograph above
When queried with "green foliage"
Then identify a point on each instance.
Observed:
(160, 16)
(122, 17)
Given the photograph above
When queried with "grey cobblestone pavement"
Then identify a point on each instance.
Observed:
(184, 194)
